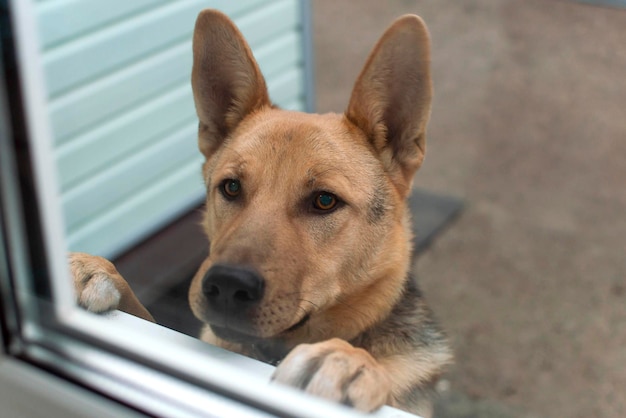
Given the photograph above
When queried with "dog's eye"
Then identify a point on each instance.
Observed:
(231, 188)
(325, 201)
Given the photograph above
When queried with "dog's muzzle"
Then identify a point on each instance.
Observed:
(231, 294)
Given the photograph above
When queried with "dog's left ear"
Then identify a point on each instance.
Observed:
(392, 97)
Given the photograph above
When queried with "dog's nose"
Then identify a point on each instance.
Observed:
(232, 287)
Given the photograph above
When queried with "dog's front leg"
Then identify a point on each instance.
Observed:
(100, 288)
(337, 371)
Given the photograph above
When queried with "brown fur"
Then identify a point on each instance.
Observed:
(100, 288)
(338, 305)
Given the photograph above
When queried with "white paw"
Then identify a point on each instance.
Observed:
(95, 283)
(337, 371)
(99, 294)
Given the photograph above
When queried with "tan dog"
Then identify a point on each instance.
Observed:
(310, 237)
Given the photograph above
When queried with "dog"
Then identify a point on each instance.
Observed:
(308, 227)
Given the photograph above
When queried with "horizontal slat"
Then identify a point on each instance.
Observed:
(121, 181)
(269, 21)
(98, 54)
(62, 20)
(96, 102)
(105, 144)
(83, 108)
(280, 53)
(297, 105)
(287, 86)
(128, 223)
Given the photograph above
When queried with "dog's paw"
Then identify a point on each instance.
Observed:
(95, 282)
(337, 371)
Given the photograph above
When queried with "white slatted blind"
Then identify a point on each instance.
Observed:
(124, 125)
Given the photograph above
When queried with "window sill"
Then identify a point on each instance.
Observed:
(258, 369)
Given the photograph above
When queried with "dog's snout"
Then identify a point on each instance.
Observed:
(232, 287)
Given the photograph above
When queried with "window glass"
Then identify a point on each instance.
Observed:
(98, 153)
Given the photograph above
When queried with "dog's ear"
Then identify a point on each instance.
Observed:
(226, 80)
(392, 97)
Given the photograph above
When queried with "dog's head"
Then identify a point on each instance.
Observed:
(309, 233)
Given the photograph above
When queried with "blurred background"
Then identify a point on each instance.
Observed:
(529, 128)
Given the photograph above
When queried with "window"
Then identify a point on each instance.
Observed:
(56, 358)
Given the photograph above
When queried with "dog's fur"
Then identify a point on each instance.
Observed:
(307, 215)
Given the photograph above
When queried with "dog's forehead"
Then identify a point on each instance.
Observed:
(279, 129)
(305, 139)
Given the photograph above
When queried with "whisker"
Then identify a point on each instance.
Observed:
(304, 312)
(351, 307)
(339, 301)
(308, 301)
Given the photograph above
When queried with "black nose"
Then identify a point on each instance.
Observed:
(232, 288)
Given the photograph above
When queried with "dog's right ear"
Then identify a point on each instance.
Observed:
(226, 80)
